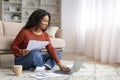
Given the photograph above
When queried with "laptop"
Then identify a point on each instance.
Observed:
(76, 66)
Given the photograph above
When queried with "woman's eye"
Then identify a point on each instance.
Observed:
(45, 21)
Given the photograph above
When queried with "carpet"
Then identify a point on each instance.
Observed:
(87, 72)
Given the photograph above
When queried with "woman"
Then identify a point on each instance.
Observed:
(35, 30)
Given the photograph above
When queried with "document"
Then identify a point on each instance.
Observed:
(36, 45)
(45, 75)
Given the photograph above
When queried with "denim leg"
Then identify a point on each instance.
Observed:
(33, 59)
(49, 62)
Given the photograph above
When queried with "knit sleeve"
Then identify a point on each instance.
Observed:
(52, 51)
(15, 46)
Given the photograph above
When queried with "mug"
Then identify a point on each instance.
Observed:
(17, 69)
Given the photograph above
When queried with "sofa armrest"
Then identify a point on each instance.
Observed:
(59, 33)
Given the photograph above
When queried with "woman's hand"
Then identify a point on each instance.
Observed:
(63, 67)
(24, 52)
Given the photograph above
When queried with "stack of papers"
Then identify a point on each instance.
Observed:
(45, 75)
(33, 45)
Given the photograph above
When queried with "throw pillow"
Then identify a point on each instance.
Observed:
(59, 33)
(52, 31)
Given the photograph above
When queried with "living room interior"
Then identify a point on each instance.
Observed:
(84, 27)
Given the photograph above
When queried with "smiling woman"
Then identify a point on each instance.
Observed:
(35, 29)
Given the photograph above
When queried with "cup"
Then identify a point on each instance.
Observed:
(17, 69)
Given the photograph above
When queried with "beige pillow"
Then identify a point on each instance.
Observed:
(59, 33)
(52, 31)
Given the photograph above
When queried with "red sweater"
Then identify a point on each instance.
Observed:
(22, 39)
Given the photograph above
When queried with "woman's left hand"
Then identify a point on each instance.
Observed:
(24, 52)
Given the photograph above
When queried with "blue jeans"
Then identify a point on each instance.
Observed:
(36, 58)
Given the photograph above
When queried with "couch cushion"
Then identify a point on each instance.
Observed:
(11, 29)
(1, 29)
(6, 42)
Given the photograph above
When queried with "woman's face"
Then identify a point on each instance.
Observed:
(44, 22)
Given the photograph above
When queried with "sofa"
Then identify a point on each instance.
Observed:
(9, 30)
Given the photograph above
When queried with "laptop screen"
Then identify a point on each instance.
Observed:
(77, 64)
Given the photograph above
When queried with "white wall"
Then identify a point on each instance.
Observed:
(68, 18)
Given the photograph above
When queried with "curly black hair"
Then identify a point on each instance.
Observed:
(35, 18)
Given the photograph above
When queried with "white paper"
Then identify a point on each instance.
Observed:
(45, 75)
(33, 44)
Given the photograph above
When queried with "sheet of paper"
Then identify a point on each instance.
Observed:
(45, 75)
(33, 44)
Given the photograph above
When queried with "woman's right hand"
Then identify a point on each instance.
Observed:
(24, 52)
(63, 67)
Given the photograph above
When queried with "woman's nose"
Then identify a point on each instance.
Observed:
(46, 23)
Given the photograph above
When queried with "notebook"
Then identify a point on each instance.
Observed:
(76, 66)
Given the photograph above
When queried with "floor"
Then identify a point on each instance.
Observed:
(89, 72)
(73, 56)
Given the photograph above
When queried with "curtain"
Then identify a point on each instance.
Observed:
(98, 29)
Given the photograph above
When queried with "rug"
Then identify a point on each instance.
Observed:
(87, 72)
